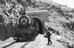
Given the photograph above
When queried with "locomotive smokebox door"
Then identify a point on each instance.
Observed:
(23, 22)
(28, 31)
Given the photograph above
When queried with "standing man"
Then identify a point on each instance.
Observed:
(47, 35)
(49, 38)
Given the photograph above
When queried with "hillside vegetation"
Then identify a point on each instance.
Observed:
(60, 18)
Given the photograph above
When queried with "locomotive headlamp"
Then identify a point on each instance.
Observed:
(23, 21)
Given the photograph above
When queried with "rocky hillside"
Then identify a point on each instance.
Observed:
(60, 19)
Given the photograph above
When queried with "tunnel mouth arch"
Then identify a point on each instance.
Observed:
(40, 26)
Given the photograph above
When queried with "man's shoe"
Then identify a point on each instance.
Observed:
(50, 43)
(47, 43)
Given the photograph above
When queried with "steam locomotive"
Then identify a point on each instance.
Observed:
(27, 29)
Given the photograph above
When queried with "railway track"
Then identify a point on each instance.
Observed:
(40, 42)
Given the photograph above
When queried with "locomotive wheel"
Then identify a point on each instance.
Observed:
(17, 36)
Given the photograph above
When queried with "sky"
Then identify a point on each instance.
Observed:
(69, 3)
